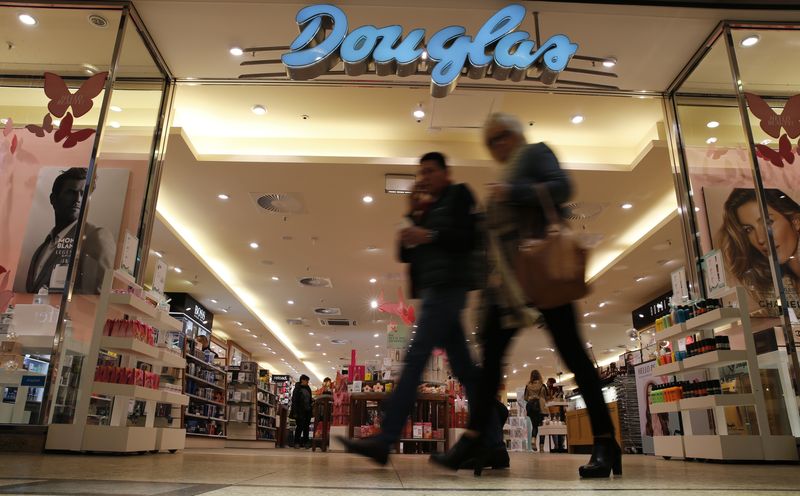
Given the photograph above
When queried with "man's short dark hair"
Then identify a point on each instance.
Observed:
(304, 377)
(437, 157)
(326, 379)
(72, 174)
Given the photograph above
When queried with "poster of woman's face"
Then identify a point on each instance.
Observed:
(51, 228)
(738, 230)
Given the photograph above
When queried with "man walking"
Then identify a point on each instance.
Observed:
(301, 411)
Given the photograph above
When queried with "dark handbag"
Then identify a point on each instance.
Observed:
(551, 271)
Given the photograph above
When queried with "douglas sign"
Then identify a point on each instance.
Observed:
(497, 50)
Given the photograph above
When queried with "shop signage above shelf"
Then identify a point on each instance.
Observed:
(497, 50)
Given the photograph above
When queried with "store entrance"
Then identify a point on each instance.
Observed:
(280, 205)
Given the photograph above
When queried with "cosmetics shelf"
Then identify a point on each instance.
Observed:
(716, 400)
(129, 345)
(669, 446)
(203, 381)
(713, 359)
(714, 319)
(668, 369)
(664, 407)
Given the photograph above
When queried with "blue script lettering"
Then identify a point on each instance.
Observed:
(497, 50)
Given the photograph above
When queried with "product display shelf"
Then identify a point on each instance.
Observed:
(130, 423)
(672, 406)
(205, 400)
(206, 414)
(266, 428)
(205, 382)
(721, 445)
(202, 362)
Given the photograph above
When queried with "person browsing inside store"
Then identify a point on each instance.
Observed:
(515, 210)
(300, 411)
(439, 245)
(535, 403)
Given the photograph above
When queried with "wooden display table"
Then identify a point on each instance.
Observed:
(431, 408)
(322, 411)
(579, 429)
(550, 430)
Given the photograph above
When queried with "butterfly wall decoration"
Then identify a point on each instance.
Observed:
(773, 124)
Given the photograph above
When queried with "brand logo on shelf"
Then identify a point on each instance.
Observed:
(199, 313)
(280, 378)
(497, 50)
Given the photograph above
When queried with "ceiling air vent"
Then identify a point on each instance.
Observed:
(340, 341)
(297, 322)
(582, 210)
(280, 203)
(337, 323)
(328, 311)
(315, 282)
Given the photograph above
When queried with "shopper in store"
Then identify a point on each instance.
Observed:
(514, 210)
(556, 412)
(300, 411)
(439, 244)
(535, 404)
(744, 243)
(326, 388)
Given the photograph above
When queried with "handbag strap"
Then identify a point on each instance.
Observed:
(547, 203)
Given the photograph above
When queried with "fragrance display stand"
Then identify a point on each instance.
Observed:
(125, 431)
(252, 408)
(722, 445)
(205, 387)
(267, 412)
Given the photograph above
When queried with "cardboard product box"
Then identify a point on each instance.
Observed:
(417, 430)
(10, 348)
(11, 359)
(427, 430)
(249, 367)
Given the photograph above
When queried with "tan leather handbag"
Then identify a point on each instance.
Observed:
(552, 270)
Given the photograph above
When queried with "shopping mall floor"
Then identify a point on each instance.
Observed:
(288, 472)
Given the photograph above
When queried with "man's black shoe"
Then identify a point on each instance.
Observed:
(371, 447)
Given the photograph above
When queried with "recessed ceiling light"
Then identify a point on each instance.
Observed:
(373, 304)
(310, 333)
(610, 62)
(576, 119)
(238, 323)
(224, 310)
(539, 358)
(593, 326)
(373, 280)
(377, 346)
(114, 124)
(158, 254)
(177, 269)
(115, 108)
(291, 302)
(419, 113)
(367, 199)
(711, 140)
(264, 345)
(587, 314)
(319, 344)
(259, 109)
(766, 142)
(640, 279)
(505, 376)
(514, 371)
(223, 196)
(627, 206)
(601, 305)
(236, 51)
(275, 278)
(27, 19)
(377, 354)
(641, 315)
(525, 365)
(712, 124)
(56, 122)
(254, 245)
(212, 300)
(424, 55)
(376, 335)
(324, 354)
(751, 40)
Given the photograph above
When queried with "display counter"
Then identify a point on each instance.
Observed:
(579, 430)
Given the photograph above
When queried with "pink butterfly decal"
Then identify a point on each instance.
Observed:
(771, 122)
(405, 312)
(9, 129)
(785, 152)
(45, 128)
(61, 98)
(72, 139)
(716, 153)
(5, 294)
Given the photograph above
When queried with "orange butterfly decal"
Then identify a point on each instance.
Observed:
(61, 98)
(72, 139)
(46, 127)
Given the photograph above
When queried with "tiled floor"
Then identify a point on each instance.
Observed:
(294, 473)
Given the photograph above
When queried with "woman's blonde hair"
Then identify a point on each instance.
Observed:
(535, 376)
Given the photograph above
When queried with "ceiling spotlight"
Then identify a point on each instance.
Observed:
(424, 55)
(212, 300)
(587, 314)
(259, 109)
(367, 199)
(318, 344)
(377, 354)
(418, 113)
(376, 335)
(114, 124)
(593, 326)
(747, 42)
(627, 206)
(373, 280)
(524, 365)
(177, 269)
(610, 62)
(712, 124)
(224, 310)
(158, 254)
(505, 376)
(254, 245)
(640, 279)
(373, 304)
(576, 119)
(601, 305)
(514, 371)
(236, 52)
(711, 140)
(223, 196)
(275, 278)
(310, 333)
(27, 19)
(324, 354)
(114, 108)
(377, 346)
(538, 358)
(291, 302)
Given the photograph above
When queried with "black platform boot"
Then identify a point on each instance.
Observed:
(606, 458)
(467, 448)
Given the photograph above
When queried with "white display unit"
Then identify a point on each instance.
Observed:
(722, 445)
(118, 436)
